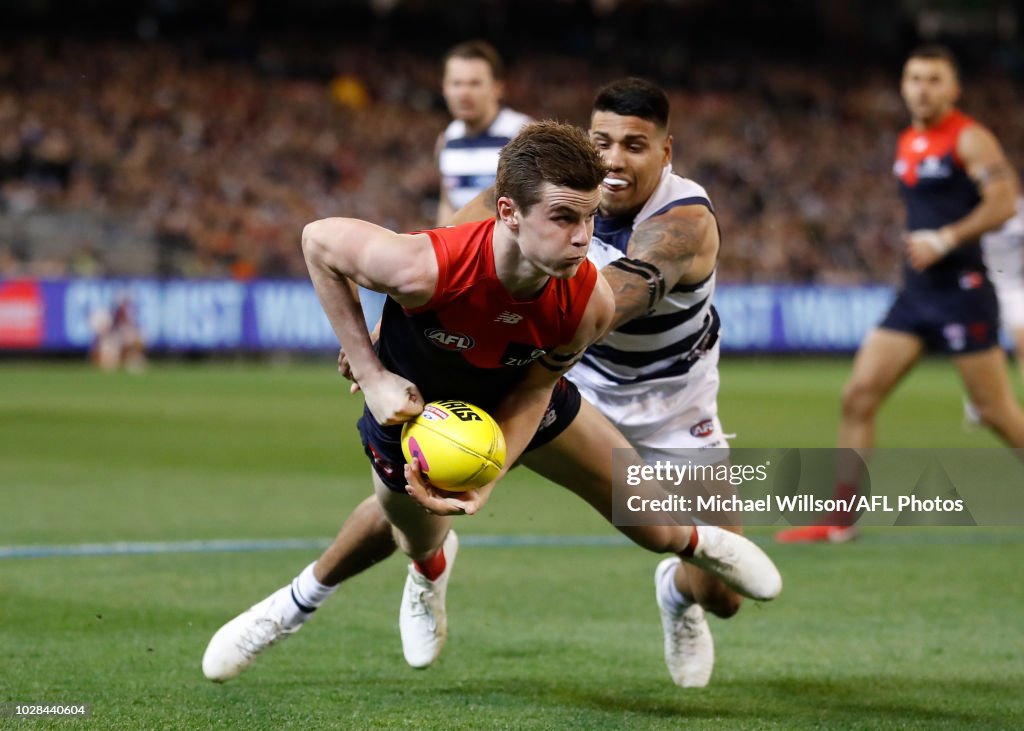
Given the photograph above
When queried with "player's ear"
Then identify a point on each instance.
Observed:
(668, 150)
(508, 214)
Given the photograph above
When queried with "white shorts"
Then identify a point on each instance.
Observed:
(1011, 305)
(660, 416)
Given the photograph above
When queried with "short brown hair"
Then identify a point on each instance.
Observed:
(547, 152)
(936, 52)
(481, 50)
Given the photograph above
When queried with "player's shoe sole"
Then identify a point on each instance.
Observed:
(423, 619)
(689, 647)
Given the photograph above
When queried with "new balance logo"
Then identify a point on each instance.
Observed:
(509, 318)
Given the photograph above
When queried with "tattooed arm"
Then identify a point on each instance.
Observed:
(680, 244)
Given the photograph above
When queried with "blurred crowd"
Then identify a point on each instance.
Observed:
(220, 163)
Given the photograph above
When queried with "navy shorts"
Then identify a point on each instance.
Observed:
(951, 320)
(383, 444)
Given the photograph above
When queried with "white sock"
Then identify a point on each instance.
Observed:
(669, 594)
(308, 594)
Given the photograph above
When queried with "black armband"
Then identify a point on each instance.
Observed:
(559, 363)
(649, 273)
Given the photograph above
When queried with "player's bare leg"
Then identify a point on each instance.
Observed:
(581, 460)
(972, 418)
(431, 544)
(1018, 350)
(987, 381)
(882, 361)
(364, 540)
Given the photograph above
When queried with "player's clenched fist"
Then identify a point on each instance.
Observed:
(391, 399)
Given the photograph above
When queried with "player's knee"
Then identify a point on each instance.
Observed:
(860, 399)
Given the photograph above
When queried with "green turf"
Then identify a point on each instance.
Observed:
(905, 629)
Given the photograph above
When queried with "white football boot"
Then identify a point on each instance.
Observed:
(422, 620)
(737, 561)
(238, 643)
(689, 648)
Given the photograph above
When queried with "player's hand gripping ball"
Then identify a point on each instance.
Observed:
(458, 445)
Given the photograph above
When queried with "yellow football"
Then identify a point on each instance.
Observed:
(458, 445)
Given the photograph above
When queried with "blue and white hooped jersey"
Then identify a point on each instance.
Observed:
(683, 326)
(468, 164)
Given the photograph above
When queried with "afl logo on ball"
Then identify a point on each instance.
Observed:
(448, 340)
(703, 428)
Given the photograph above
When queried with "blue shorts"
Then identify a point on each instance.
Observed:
(383, 444)
(952, 320)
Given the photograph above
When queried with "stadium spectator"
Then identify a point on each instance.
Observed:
(223, 160)
(957, 185)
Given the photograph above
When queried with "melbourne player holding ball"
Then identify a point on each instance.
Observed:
(492, 312)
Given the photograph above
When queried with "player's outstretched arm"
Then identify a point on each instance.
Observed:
(985, 162)
(679, 246)
(339, 251)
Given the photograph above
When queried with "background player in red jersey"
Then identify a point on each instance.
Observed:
(957, 185)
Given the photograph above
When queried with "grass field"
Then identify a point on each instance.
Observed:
(553, 624)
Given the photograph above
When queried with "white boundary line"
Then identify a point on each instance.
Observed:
(895, 537)
(243, 546)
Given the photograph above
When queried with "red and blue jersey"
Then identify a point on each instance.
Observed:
(937, 191)
(473, 340)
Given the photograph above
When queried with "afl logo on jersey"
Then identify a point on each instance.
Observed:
(448, 340)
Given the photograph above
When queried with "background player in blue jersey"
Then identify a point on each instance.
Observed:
(467, 151)
(581, 441)
(957, 185)
(655, 374)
